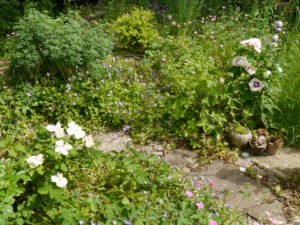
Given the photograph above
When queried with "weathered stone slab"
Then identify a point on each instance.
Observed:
(285, 163)
(243, 192)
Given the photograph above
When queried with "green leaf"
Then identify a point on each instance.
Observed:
(125, 201)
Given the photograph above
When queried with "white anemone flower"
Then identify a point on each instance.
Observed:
(59, 180)
(255, 84)
(62, 148)
(240, 61)
(75, 130)
(255, 42)
(57, 129)
(35, 161)
(89, 142)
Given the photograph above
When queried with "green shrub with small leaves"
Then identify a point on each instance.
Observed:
(43, 44)
(135, 29)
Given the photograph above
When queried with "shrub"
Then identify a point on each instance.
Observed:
(134, 29)
(119, 187)
(46, 45)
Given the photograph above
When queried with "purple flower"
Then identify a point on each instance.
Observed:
(48, 74)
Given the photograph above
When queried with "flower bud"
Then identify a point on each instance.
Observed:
(277, 30)
(275, 38)
(278, 24)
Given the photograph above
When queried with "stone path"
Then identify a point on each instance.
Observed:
(241, 192)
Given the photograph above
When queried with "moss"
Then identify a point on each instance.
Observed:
(239, 129)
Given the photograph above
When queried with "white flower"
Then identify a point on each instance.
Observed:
(242, 169)
(279, 69)
(278, 24)
(273, 44)
(169, 17)
(268, 73)
(255, 42)
(35, 161)
(89, 142)
(240, 61)
(59, 180)
(59, 131)
(75, 130)
(50, 128)
(255, 85)
(250, 70)
(275, 38)
(62, 148)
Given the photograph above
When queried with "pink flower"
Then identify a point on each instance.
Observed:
(163, 59)
(199, 184)
(211, 58)
(272, 221)
(211, 36)
(212, 32)
(212, 222)
(8, 90)
(283, 32)
(184, 24)
(202, 21)
(4, 87)
(259, 176)
(223, 7)
(190, 22)
(178, 25)
(203, 36)
(195, 32)
(256, 223)
(110, 66)
(90, 195)
(200, 205)
(269, 214)
(189, 194)
(222, 80)
(222, 46)
(28, 94)
(211, 182)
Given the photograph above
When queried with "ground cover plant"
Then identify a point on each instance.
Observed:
(48, 186)
(180, 72)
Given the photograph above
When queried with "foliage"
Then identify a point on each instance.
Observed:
(239, 129)
(46, 45)
(117, 187)
(134, 29)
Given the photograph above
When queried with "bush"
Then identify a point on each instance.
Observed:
(46, 45)
(135, 29)
(119, 187)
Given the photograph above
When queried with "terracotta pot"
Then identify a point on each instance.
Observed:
(240, 140)
(272, 148)
(257, 150)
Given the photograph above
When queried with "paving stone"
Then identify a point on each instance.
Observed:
(241, 192)
(285, 163)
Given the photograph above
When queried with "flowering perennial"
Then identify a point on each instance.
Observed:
(59, 180)
(35, 161)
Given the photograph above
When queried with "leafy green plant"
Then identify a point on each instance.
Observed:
(134, 29)
(45, 45)
(239, 129)
(43, 183)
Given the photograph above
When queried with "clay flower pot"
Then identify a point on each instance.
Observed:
(240, 140)
(257, 149)
(272, 148)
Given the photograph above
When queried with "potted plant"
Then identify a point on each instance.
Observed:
(239, 135)
(258, 142)
(275, 142)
